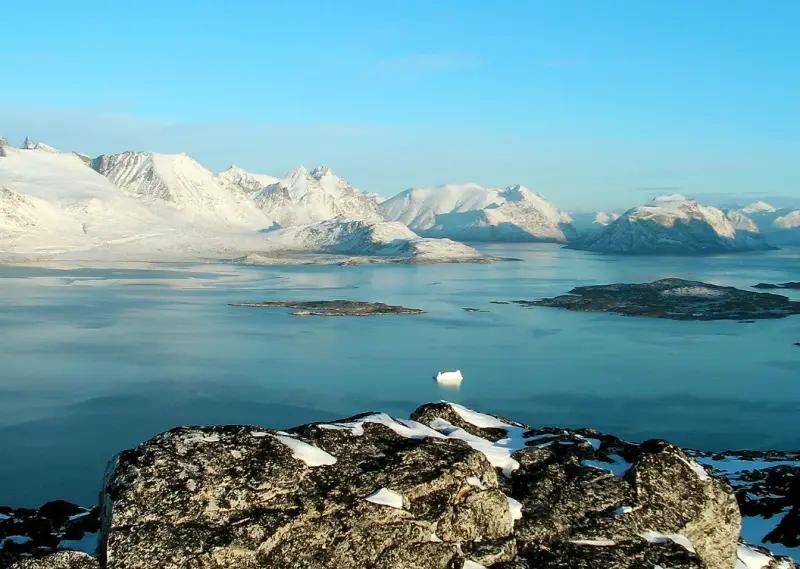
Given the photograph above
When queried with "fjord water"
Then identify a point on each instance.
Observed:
(94, 360)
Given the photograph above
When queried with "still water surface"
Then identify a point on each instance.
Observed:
(94, 360)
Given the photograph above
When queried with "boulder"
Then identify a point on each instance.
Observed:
(449, 489)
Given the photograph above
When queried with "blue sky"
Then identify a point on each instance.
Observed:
(596, 104)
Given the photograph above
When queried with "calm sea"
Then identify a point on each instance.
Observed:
(95, 360)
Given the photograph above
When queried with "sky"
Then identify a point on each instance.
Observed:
(597, 104)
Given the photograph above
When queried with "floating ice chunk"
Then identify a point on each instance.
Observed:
(656, 537)
(449, 377)
(749, 558)
(515, 507)
(386, 497)
(594, 542)
(311, 455)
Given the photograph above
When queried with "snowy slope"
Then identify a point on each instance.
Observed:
(307, 197)
(180, 182)
(470, 212)
(362, 237)
(675, 224)
(52, 201)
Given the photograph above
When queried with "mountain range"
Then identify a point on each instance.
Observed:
(149, 206)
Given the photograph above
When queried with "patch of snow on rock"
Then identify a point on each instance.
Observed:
(749, 558)
(386, 497)
(311, 455)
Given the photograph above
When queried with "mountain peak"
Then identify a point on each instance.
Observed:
(28, 144)
(320, 171)
(759, 207)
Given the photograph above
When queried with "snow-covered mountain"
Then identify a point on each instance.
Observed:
(145, 206)
(307, 197)
(790, 220)
(180, 182)
(364, 237)
(779, 226)
(235, 179)
(759, 207)
(675, 224)
(51, 201)
(470, 212)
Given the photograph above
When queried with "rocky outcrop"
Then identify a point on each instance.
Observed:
(449, 489)
(676, 299)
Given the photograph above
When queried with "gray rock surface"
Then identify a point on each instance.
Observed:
(449, 489)
(60, 560)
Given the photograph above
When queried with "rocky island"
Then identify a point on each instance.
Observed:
(333, 307)
(790, 285)
(450, 488)
(676, 299)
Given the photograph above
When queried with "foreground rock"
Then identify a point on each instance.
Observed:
(449, 489)
(334, 307)
(677, 299)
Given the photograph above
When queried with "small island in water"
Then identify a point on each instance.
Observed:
(677, 299)
(333, 307)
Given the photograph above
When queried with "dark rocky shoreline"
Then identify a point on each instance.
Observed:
(675, 299)
(450, 488)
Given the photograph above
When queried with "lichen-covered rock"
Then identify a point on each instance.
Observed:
(352, 495)
(60, 560)
(450, 489)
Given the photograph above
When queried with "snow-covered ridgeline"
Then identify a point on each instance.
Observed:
(471, 212)
(147, 206)
(675, 224)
